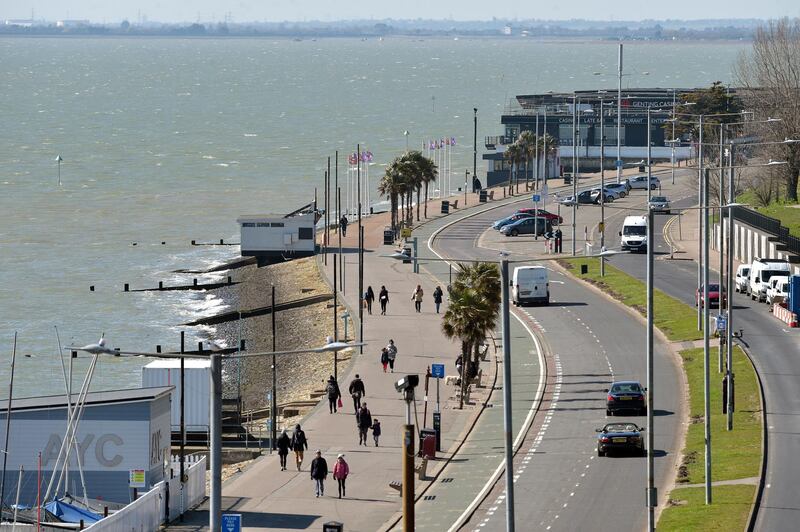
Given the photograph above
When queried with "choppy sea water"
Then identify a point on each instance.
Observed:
(171, 139)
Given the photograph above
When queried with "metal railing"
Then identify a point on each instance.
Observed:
(768, 224)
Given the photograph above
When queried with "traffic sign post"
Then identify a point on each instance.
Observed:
(231, 523)
(437, 372)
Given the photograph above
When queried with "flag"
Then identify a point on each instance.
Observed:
(447, 140)
(431, 145)
(452, 141)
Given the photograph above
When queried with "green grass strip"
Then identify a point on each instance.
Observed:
(688, 511)
(675, 319)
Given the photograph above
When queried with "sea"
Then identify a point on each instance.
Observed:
(170, 139)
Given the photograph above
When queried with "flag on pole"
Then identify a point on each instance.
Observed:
(452, 141)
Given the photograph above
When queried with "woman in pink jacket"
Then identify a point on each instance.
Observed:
(340, 472)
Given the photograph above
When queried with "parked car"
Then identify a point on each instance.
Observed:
(620, 437)
(778, 289)
(713, 296)
(742, 278)
(607, 195)
(619, 188)
(541, 213)
(640, 182)
(584, 197)
(659, 204)
(760, 272)
(626, 396)
(527, 226)
(510, 219)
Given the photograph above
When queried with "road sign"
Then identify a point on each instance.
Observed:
(405, 232)
(536, 198)
(722, 322)
(618, 163)
(231, 523)
(437, 371)
(136, 478)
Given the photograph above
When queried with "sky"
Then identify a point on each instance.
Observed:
(299, 10)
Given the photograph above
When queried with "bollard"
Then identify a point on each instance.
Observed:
(193, 243)
(161, 285)
(81, 525)
(584, 269)
(133, 244)
(126, 287)
(91, 288)
(105, 511)
(158, 348)
(194, 282)
(241, 345)
(221, 241)
(163, 243)
(230, 281)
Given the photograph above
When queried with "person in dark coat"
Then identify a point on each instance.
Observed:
(369, 297)
(299, 444)
(283, 443)
(383, 298)
(364, 423)
(343, 225)
(476, 184)
(437, 298)
(376, 431)
(384, 358)
(357, 391)
(332, 389)
(319, 472)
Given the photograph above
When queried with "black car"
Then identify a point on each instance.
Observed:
(626, 396)
(620, 437)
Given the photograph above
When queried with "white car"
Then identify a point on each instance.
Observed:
(778, 288)
(641, 182)
(742, 278)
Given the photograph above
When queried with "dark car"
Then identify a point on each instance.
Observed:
(547, 215)
(620, 437)
(510, 219)
(527, 226)
(625, 396)
(713, 296)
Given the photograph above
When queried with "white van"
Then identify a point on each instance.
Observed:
(529, 284)
(634, 233)
(760, 272)
(742, 278)
(778, 289)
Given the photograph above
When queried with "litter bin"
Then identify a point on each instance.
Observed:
(641, 169)
(445, 207)
(483, 195)
(333, 526)
(427, 443)
(388, 236)
(567, 179)
(407, 253)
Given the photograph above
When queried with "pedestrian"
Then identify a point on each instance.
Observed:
(364, 423)
(340, 472)
(369, 297)
(437, 298)
(376, 431)
(459, 366)
(383, 297)
(343, 225)
(391, 353)
(299, 444)
(357, 391)
(282, 444)
(417, 297)
(332, 389)
(319, 472)
(384, 358)
(559, 237)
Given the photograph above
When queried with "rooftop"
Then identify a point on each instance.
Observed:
(92, 398)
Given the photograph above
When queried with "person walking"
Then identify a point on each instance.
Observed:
(369, 297)
(340, 472)
(319, 472)
(357, 391)
(299, 444)
(282, 444)
(376, 431)
(417, 297)
(383, 297)
(364, 423)
(343, 225)
(391, 354)
(332, 389)
(384, 358)
(437, 297)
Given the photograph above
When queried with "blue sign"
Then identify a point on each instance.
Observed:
(231, 523)
(618, 163)
(536, 198)
(437, 371)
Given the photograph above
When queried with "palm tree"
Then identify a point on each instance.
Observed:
(527, 141)
(424, 172)
(513, 154)
(552, 149)
(391, 185)
(472, 313)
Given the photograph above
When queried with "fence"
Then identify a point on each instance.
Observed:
(770, 225)
(165, 502)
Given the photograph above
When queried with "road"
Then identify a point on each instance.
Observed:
(561, 483)
(775, 349)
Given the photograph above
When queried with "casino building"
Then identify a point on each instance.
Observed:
(574, 120)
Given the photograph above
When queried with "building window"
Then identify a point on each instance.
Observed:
(305, 233)
(262, 224)
(248, 224)
(276, 224)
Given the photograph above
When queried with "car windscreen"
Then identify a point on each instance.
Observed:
(634, 230)
(626, 388)
(621, 427)
(659, 199)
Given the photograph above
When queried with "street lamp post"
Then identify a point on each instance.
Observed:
(706, 373)
(729, 306)
(619, 117)
(574, 174)
(475, 142)
(652, 495)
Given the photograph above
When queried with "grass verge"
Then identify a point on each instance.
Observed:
(787, 213)
(677, 320)
(688, 511)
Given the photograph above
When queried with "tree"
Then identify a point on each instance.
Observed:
(392, 186)
(527, 142)
(472, 313)
(513, 153)
(770, 79)
(425, 173)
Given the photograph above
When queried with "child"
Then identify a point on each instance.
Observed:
(384, 358)
(376, 430)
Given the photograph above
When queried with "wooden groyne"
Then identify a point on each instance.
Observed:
(260, 311)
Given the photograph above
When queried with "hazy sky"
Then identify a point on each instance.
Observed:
(247, 10)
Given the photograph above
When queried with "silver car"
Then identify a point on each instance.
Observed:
(641, 182)
(659, 204)
(619, 188)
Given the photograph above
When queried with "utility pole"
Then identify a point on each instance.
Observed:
(700, 219)
(721, 165)
(619, 117)
(649, 164)
(475, 142)
(652, 494)
(215, 499)
(360, 259)
(273, 407)
(706, 377)
(335, 320)
(574, 174)
(408, 464)
(603, 188)
(507, 425)
(729, 324)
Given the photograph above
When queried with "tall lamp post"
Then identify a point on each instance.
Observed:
(59, 160)
(475, 142)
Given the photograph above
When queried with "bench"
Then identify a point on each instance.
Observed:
(476, 380)
(454, 204)
(491, 195)
(396, 484)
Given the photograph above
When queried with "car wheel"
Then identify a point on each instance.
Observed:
(600, 453)
(514, 232)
